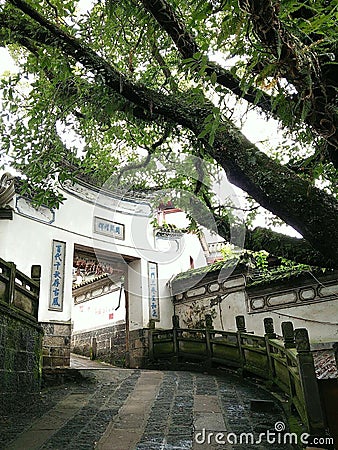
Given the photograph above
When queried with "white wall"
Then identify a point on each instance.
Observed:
(28, 241)
(135, 288)
(99, 312)
(320, 319)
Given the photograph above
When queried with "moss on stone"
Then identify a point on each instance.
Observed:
(248, 263)
(215, 267)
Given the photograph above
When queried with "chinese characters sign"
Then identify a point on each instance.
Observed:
(153, 291)
(58, 274)
(108, 228)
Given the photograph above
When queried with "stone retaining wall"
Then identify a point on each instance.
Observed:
(20, 359)
(56, 344)
(107, 344)
(138, 348)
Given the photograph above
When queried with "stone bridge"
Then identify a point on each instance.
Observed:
(285, 363)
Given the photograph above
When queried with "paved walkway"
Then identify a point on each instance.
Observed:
(122, 409)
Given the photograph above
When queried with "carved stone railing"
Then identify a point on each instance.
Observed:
(18, 290)
(21, 350)
(7, 192)
(7, 189)
(287, 362)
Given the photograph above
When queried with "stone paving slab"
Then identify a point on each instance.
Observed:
(42, 429)
(206, 403)
(128, 425)
(209, 420)
(120, 409)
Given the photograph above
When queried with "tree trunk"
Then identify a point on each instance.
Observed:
(312, 212)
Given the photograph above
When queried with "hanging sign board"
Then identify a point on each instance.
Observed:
(108, 228)
(153, 291)
(58, 276)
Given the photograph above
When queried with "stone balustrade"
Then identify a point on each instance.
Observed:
(285, 362)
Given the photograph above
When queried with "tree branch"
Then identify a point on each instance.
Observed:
(299, 65)
(309, 210)
(160, 61)
(151, 151)
(303, 71)
(277, 244)
(164, 14)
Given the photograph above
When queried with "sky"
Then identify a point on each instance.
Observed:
(6, 61)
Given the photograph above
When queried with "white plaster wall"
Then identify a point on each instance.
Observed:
(135, 295)
(99, 312)
(166, 305)
(223, 313)
(179, 219)
(27, 241)
(178, 261)
(320, 319)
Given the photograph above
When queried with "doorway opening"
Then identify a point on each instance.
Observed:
(100, 313)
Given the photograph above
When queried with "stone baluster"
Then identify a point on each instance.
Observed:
(175, 321)
(10, 291)
(240, 324)
(269, 334)
(36, 276)
(307, 374)
(36, 273)
(288, 335)
(208, 336)
(269, 328)
(176, 325)
(208, 322)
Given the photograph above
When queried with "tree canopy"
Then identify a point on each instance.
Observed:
(174, 78)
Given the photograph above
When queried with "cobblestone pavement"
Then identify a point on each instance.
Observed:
(122, 409)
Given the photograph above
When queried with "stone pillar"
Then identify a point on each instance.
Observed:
(288, 335)
(335, 349)
(315, 417)
(139, 348)
(36, 276)
(269, 334)
(56, 344)
(269, 328)
(208, 322)
(240, 324)
(93, 352)
(10, 291)
(36, 273)
(175, 321)
(208, 336)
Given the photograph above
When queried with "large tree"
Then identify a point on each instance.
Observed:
(143, 74)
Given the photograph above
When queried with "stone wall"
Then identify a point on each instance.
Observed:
(56, 344)
(222, 300)
(306, 299)
(107, 344)
(20, 358)
(302, 290)
(138, 348)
